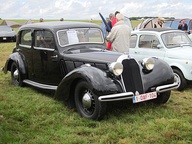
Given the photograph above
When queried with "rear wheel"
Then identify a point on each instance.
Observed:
(87, 102)
(162, 97)
(16, 75)
(182, 81)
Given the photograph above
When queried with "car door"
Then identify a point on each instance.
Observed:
(24, 47)
(146, 45)
(45, 58)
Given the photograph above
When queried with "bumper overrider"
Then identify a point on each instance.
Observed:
(130, 95)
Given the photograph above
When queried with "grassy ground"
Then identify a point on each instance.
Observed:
(28, 115)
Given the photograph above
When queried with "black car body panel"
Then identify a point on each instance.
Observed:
(56, 56)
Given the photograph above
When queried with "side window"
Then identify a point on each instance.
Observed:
(44, 39)
(25, 37)
(133, 41)
(148, 41)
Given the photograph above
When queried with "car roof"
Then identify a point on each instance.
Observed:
(59, 25)
(156, 30)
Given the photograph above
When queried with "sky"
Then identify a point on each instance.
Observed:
(89, 9)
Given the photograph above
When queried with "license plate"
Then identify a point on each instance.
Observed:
(144, 97)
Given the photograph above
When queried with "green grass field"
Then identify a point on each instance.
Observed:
(28, 115)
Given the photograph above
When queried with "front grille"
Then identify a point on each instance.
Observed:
(131, 76)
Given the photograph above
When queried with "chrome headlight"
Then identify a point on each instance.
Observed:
(148, 64)
(116, 68)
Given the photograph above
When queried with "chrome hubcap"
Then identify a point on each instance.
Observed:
(86, 100)
(177, 78)
(16, 74)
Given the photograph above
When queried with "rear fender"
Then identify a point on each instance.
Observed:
(18, 58)
(100, 83)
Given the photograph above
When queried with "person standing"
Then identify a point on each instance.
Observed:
(120, 35)
(41, 20)
(62, 19)
(111, 16)
(183, 26)
(159, 23)
(112, 22)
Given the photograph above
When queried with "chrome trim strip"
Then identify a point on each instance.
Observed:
(167, 87)
(41, 48)
(129, 95)
(39, 85)
(26, 46)
(116, 97)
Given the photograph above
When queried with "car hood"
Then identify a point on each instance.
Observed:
(180, 53)
(5, 33)
(95, 57)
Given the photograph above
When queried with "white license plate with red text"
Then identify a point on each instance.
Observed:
(144, 97)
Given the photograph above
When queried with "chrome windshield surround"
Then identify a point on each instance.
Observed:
(77, 35)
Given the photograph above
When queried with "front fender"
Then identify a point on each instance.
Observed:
(18, 58)
(100, 83)
(161, 74)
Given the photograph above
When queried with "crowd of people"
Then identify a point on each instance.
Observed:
(118, 33)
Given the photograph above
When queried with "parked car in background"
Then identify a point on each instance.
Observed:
(71, 59)
(173, 24)
(172, 46)
(146, 23)
(7, 34)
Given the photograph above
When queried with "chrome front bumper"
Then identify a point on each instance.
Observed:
(129, 95)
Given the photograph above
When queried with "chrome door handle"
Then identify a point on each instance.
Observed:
(56, 56)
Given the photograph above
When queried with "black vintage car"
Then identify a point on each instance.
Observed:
(71, 58)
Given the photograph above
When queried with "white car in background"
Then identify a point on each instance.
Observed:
(172, 46)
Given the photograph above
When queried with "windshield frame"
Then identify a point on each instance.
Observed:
(71, 36)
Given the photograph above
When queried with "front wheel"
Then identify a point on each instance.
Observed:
(87, 102)
(182, 81)
(162, 97)
(16, 75)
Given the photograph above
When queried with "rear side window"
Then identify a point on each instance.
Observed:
(133, 41)
(44, 39)
(148, 41)
(25, 37)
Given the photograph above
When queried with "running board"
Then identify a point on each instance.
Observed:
(39, 85)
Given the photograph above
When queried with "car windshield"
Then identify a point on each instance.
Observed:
(5, 28)
(79, 35)
(176, 39)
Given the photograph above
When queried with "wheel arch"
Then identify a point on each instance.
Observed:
(17, 58)
(182, 69)
(100, 83)
(182, 79)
